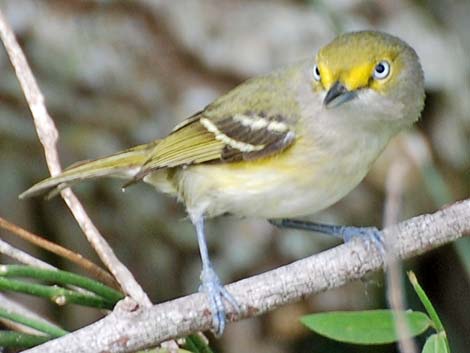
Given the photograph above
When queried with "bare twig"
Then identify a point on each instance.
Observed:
(22, 257)
(78, 259)
(130, 328)
(395, 291)
(48, 135)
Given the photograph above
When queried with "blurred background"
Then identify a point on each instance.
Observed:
(120, 73)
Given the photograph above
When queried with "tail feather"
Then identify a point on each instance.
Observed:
(123, 164)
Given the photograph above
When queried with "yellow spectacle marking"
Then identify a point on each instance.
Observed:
(358, 76)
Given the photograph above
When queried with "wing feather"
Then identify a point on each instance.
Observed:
(194, 143)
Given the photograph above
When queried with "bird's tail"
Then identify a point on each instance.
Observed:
(123, 164)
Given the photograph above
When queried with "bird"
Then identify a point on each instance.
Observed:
(279, 146)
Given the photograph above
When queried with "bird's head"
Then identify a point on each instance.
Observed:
(370, 72)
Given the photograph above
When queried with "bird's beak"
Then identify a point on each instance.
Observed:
(337, 95)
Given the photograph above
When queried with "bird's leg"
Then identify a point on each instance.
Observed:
(344, 232)
(211, 284)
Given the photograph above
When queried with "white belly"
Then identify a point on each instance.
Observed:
(283, 197)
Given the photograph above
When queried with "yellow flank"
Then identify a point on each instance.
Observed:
(281, 162)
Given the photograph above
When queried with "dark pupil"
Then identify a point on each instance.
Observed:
(317, 72)
(380, 68)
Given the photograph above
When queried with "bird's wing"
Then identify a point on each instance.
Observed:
(201, 139)
(249, 122)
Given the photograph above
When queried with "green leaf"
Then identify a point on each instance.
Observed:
(42, 326)
(23, 340)
(436, 321)
(436, 343)
(56, 294)
(364, 327)
(195, 344)
(63, 278)
(426, 302)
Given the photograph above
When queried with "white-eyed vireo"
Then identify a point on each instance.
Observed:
(285, 144)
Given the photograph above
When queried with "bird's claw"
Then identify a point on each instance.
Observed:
(371, 234)
(216, 294)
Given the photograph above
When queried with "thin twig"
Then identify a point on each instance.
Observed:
(74, 257)
(130, 328)
(395, 290)
(48, 136)
(22, 257)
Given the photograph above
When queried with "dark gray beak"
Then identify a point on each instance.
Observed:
(337, 95)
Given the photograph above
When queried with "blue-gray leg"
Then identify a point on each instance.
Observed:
(344, 232)
(211, 284)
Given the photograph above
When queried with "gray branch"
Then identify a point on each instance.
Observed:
(48, 136)
(131, 327)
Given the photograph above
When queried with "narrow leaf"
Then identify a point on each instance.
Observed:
(436, 321)
(436, 343)
(42, 326)
(63, 278)
(426, 302)
(364, 327)
(195, 344)
(56, 294)
(22, 340)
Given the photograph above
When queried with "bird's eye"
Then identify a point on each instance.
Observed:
(381, 70)
(316, 73)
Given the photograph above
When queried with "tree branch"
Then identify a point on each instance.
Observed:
(129, 327)
(48, 136)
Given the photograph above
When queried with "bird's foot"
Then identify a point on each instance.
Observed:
(371, 234)
(216, 293)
